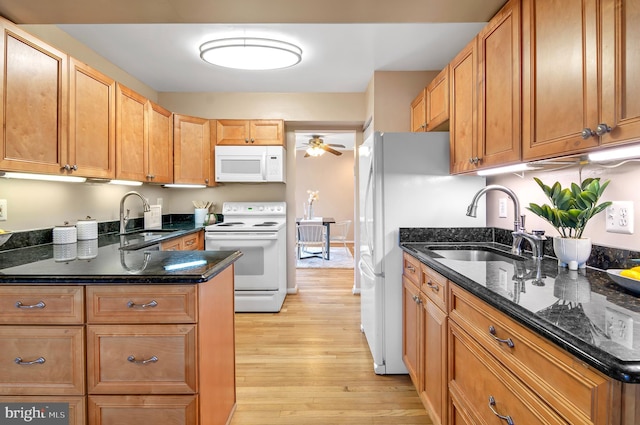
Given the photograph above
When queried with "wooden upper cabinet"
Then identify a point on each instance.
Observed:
(248, 132)
(620, 65)
(34, 103)
(159, 144)
(418, 112)
(560, 77)
(130, 134)
(437, 102)
(92, 108)
(499, 98)
(463, 117)
(192, 150)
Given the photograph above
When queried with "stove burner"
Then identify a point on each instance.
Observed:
(234, 223)
(266, 224)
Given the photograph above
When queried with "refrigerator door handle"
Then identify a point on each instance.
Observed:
(367, 270)
(368, 192)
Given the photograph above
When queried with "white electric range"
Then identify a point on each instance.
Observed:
(258, 230)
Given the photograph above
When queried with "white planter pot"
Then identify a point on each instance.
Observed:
(572, 253)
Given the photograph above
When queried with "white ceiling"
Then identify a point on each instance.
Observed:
(336, 57)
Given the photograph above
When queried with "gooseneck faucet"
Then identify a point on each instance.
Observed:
(519, 233)
(124, 219)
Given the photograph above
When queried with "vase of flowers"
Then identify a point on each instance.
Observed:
(313, 196)
(569, 212)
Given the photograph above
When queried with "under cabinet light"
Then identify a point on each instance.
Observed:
(506, 169)
(186, 186)
(42, 177)
(611, 154)
(126, 182)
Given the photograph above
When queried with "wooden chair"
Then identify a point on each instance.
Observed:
(311, 235)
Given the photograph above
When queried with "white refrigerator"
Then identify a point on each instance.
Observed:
(403, 181)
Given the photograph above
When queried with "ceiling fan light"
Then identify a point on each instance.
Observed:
(315, 151)
(251, 53)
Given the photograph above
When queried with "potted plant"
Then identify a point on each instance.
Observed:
(569, 212)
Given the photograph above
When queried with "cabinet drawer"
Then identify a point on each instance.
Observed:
(77, 415)
(191, 242)
(576, 391)
(142, 304)
(434, 286)
(476, 378)
(141, 409)
(41, 305)
(171, 245)
(152, 359)
(411, 268)
(57, 354)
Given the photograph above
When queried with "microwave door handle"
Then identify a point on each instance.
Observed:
(264, 165)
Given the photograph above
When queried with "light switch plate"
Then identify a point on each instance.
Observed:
(3, 210)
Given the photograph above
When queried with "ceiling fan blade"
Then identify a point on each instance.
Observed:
(328, 149)
(334, 145)
(306, 155)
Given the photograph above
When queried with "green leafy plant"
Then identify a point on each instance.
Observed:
(571, 208)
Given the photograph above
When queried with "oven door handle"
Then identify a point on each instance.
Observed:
(217, 236)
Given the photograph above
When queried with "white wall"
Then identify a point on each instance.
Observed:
(623, 187)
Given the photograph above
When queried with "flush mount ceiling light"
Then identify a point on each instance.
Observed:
(250, 53)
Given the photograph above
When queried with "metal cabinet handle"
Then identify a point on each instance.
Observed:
(587, 133)
(507, 418)
(189, 243)
(253, 140)
(474, 160)
(507, 341)
(39, 360)
(411, 268)
(41, 304)
(602, 129)
(132, 359)
(131, 304)
(246, 140)
(432, 286)
(417, 299)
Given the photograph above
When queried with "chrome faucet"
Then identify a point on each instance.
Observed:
(519, 233)
(124, 219)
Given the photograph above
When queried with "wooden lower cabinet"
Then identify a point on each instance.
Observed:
(143, 409)
(191, 242)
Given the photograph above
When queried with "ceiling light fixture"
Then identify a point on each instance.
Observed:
(611, 154)
(315, 151)
(250, 53)
(43, 177)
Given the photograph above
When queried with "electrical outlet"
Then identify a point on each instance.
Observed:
(3, 210)
(619, 327)
(619, 217)
(502, 207)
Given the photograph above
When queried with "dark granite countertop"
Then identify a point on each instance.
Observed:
(577, 310)
(102, 261)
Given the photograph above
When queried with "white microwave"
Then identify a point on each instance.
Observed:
(250, 163)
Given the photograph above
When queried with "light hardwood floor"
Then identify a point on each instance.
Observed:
(310, 364)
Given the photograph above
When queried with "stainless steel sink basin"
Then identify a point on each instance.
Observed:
(470, 255)
(142, 237)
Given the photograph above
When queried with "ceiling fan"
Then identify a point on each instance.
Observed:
(317, 147)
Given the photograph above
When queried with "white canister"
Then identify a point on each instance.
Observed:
(87, 229)
(65, 251)
(64, 234)
(87, 249)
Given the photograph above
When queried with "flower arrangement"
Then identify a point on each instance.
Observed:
(313, 196)
(572, 208)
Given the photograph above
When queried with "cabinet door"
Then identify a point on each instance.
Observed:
(434, 362)
(560, 81)
(267, 132)
(192, 150)
(499, 98)
(411, 312)
(418, 113)
(34, 103)
(130, 134)
(232, 132)
(143, 409)
(159, 144)
(437, 102)
(620, 65)
(463, 118)
(92, 108)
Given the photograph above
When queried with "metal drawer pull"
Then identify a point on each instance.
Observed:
(410, 268)
(132, 359)
(432, 286)
(39, 360)
(507, 341)
(131, 304)
(41, 304)
(492, 403)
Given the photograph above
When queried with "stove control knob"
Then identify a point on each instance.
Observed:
(261, 209)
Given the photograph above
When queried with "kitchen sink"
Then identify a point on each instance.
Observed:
(469, 253)
(141, 238)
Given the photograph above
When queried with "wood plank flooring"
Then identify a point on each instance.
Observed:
(310, 364)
